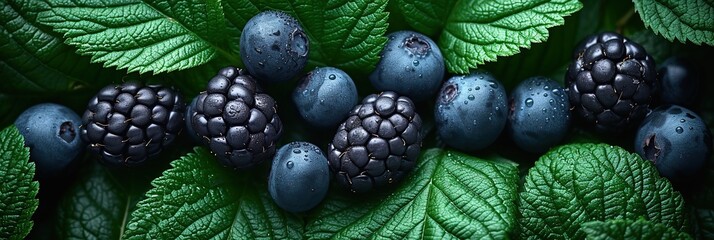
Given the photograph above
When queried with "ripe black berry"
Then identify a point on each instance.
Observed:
(378, 144)
(610, 82)
(128, 123)
(236, 120)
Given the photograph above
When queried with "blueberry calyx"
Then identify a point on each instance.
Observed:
(416, 45)
(450, 92)
(652, 151)
(67, 132)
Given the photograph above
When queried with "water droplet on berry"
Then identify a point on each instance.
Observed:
(297, 151)
(466, 102)
(544, 110)
(471, 97)
(332, 77)
(679, 130)
(682, 120)
(493, 85)
(416, 63)
(477, 88)
(529, 102)
(546, 87)
(289, 164)
(545, 95)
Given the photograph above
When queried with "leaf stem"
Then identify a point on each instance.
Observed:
(620, 25)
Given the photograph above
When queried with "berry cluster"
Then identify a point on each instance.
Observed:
(610, 86)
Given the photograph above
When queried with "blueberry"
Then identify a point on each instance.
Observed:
(325, 96)
(539, 114)
(51, 132)
(411, 65)
(471, 111)
(299, 177)
(676, 140)
(274, 47)
(678, 82)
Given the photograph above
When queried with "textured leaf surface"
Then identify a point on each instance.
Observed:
(630, 229)
(141, 35)
(199, 199)
(97, 207)
(18, 190)
(691, 20)
(449, 196)
(473, 32)
(579, 183)
(29, 53)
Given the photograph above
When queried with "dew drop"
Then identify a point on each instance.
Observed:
(552, 102)
(477, 88)
(466, 102)
(546, 87)
(421, 75)
(544, 110)
(289, 164)
(537, 83)
(529, 102)
(469, 89)
(332, 77)
(545, 95)
(416, 63)
(679, 130)
(471, 97)
(297, 151)
(682, 120)
(258, 50)
(475, 122)
(493, 85)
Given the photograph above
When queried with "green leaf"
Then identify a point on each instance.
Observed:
(29, 53)
(142, 35)
(18, 190)
(473, 32)
(97, 206)
(681, 20)
(199, 199)
(631, 229)
(450, 195)
(579, 183)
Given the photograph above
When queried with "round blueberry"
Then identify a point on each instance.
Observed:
(471, 111)
(678, 82)
(273, 47)
(325, 96)
(676, 140)
(539, 114)
(411, 64)
(51, 132)
(299, 177)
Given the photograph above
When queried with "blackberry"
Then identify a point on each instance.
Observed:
(378, 144)
(610, 82)
(236, 120)
(128, 123)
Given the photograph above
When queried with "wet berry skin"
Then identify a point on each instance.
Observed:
(325, 96)
(471, 111)
(411, 64)
(539, 114)
(274, 47)
(676, 140)
(299, 177)
(678, 82)
(51, 131)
